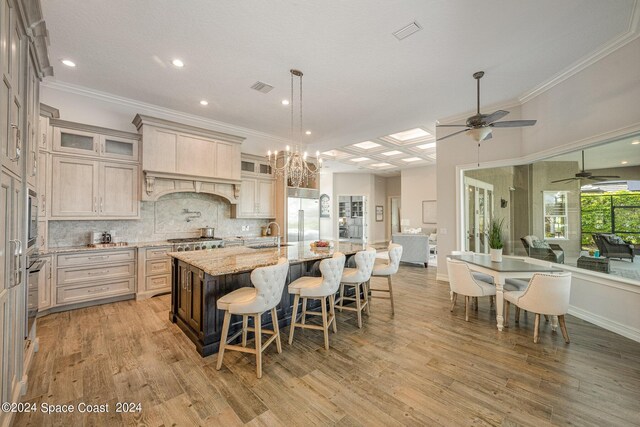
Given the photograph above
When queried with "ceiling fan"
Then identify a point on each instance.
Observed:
(585, 175)
(479, 126)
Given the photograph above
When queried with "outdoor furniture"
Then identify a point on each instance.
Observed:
(540, 249)
(600, 264)
(612, 246)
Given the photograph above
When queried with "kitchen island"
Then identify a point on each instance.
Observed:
(200, 278)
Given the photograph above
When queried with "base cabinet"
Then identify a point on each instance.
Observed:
(154, 271)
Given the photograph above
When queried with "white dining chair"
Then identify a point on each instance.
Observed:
(521, 284)
(268, 285)
(546, 294)
(464, 283)
(358, 278)
(318, 288)
(387, 270)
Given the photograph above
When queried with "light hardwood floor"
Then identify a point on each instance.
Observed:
(424, 366)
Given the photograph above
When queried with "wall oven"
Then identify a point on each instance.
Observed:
(32, 206)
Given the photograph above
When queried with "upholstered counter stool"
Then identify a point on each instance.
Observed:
(321, 288)
(464, 283)
(387, 270)
(268, 284)
(358, 278)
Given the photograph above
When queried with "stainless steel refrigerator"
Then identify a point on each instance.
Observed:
(303, 219)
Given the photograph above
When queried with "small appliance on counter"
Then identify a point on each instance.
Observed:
(105, 239)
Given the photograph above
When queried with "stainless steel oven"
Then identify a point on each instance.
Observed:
(32, 235)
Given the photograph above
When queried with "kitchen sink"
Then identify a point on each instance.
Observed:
(107, 245)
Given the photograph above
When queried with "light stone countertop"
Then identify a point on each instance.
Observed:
(221, 261)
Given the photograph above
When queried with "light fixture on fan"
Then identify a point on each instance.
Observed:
(479, 134)
(294, 165)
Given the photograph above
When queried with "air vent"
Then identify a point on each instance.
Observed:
(405, 32)
(262, 87)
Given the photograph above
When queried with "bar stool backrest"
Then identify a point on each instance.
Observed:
(331, 269)
(364, 264)
(395, 253)
(269, 283)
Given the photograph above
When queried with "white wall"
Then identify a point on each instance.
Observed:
(417, 184)
(380, 199)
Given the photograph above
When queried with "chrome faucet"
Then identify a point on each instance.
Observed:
(278, 236)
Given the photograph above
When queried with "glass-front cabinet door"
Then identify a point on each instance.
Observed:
(119, 148)
(75, 141)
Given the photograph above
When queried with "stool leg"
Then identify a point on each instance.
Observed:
(258, 327)
(276, 329)
(546, 317)
(304, 311)
(475, 303)
(563, 328)
(466, 308)
(365, 295)
(393, 311)
(491, 301)
(294, 315)
(332, 310)
(454, 298)
(245, 325)
(536, 329)
(507, 306)
(358, 305)
(341, 297)
(517, 314)
(325, 324)
(223, 339)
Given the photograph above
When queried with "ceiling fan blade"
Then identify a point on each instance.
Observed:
(513, 123)
(564, 180)
(452, 134)
(604, 177)
(451, 126)
(496, 115)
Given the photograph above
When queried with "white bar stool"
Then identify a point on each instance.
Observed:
(268, 284)
(387, 270)
(358, 278)
(319, 288)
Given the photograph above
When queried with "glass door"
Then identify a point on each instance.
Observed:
(478, 214)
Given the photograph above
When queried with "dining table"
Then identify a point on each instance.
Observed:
(501, 271)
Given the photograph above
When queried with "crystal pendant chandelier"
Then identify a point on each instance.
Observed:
(293, 164)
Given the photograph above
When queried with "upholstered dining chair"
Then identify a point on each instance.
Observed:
(462, 282)
(546, 294)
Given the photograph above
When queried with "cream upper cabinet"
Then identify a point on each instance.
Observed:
(227, 160)
(246, 207)
(266, 198)
(196, 156)
(118, 190)
(257, 199)
(41, 185)
(94, 141)
(74, 190)
(118, 148)
(75, 141)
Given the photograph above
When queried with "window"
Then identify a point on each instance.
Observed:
(555, 214)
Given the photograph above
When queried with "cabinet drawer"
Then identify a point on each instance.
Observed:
(100, 257)
(156, 253)
(93, 273)
(79, 293)
(158, 266)
(158, 282)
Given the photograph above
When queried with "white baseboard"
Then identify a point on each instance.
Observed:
(608, 324)
(443, 277)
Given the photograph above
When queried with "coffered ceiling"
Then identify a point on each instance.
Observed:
(360, 82)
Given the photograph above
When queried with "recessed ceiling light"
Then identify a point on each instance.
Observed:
(285, 102)
(624, 162)
(178, 63)
(426, 146)
(635, 142)
(333, 153)
(392, 153)
(68, 62)
(411, 159)
(381, 165)
(204, 102)
(410, 134)
(366, 145)
(360, 159)
(308, 132)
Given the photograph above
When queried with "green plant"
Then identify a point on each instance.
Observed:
(495, 234)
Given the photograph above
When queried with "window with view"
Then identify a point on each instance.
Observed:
(555, 214)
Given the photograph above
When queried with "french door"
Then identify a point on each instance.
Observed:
(478, 214)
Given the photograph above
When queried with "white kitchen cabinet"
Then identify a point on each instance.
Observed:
(42, 242)
(257, 199)
(154, 271)
(85, 188)
(114, 147)
(255, 166)
(43, 179)
(94, 141)
(44, 284)
(227, 160)
(76, 141)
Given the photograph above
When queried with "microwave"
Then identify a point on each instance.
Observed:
(32, 235)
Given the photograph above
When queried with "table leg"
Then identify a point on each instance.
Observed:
(499, 303)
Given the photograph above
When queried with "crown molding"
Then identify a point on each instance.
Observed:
(628, 36)
(128, 102)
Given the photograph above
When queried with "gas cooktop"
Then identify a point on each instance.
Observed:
(194, 239)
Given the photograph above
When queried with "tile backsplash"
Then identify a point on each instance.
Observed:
(172, 216)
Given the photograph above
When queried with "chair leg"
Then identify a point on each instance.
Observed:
(245, 325)
(341, 300)
(453, 300)
(563, 328)
(466, 308)
(223, 338)
(332, 311)
(258, 328)
(546, 317)
(491, 301)
(517, 314)
(507, 305)
(304, 311)
(365, 296)
(294, 315)
(358, 305)
(276, 329)
(391, 295)
(325, 323)
(475, 303)
(536, 329)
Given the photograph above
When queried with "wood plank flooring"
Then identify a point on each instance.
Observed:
(423, 366)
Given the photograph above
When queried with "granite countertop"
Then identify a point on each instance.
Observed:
(221, 261)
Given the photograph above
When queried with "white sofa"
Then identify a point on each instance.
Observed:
(415, 247)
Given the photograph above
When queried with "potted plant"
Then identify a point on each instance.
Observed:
(495, 240)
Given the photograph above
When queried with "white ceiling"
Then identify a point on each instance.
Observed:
(360, 82)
